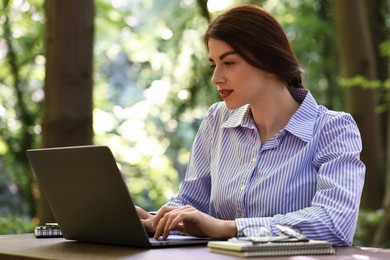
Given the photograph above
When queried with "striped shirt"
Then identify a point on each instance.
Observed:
(308, 176)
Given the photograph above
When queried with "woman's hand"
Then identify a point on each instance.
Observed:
(191, 221)
(146, 219)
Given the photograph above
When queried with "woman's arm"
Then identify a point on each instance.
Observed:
(334, 208)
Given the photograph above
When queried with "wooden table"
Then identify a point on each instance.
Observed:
(26, 246)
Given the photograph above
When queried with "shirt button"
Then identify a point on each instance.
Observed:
(242, 188)
(254, 159)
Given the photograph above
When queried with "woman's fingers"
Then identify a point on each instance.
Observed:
(146, 219)
(160, 220)
(173, 220)
(142, 214)
(191, 221)
(161, 212)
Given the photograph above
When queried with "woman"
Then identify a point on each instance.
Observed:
(268, 155)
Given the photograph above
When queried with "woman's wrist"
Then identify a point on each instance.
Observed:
(229, 229)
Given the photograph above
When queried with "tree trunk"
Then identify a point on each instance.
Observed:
(357, 53)
(382, 236)
(67, 108)
(328, 53)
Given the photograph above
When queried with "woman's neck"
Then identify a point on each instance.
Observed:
(273, 112)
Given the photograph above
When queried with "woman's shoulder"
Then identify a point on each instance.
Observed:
(327, 117)
(334, 114)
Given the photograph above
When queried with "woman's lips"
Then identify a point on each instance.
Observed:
(225, 93)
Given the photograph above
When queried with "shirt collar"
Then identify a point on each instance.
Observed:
(303, 120)
(240, 117)
(301, 123)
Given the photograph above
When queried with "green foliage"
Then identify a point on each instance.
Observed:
(10, 224)
(152, 90)
(363, 82)
(309, 27)
(368, 223)
(21, 76)
(385, 48)
(143, 65)
(382, 86)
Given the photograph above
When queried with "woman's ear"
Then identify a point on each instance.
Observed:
(270, 75)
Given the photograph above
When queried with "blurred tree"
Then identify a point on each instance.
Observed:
(67, 107)
(20, 66)
(148, 64)
(382, 236)
(362, 29)
(358, 57)
(328, 50)
(202, 4)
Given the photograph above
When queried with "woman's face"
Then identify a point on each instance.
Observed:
(237, 81)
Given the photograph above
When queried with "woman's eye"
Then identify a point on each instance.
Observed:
(212, 66)
(228, 63)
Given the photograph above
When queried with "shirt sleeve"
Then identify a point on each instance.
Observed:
(333, 212)
(195, 189)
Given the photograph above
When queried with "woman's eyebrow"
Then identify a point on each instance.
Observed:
(224, 55)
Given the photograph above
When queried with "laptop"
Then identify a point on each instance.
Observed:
(90, 200)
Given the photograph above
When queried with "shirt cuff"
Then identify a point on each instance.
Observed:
(252, 226)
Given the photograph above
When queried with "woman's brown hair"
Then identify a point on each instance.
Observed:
(257, 37)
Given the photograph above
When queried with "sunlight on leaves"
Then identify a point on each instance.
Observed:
(217, 5)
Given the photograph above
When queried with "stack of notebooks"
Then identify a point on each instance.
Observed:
(249, 249)
(49, 230)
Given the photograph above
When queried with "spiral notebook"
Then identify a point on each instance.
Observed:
(250, 249)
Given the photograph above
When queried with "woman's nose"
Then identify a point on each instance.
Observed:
(218, 77)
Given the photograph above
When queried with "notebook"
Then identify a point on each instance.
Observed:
(89, 198)
(250, 249)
